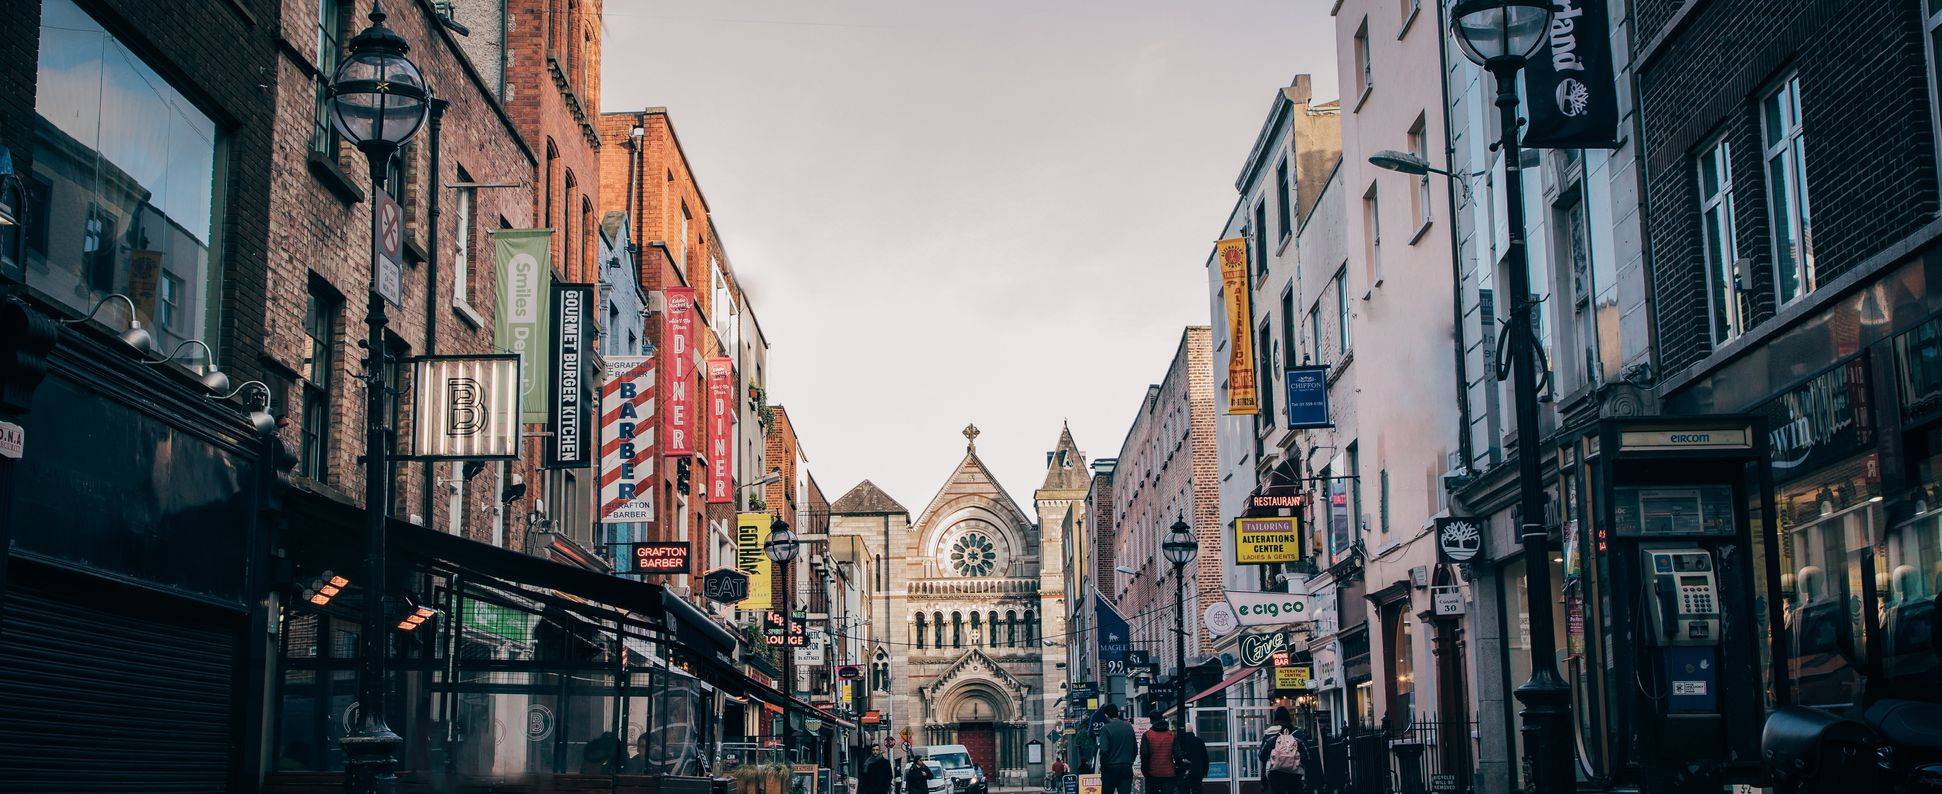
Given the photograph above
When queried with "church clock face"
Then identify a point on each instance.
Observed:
(973, 555)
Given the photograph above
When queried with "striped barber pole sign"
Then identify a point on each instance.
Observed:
(627, 441)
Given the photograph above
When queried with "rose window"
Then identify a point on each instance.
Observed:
(973, 555)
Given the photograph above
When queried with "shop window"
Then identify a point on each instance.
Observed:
(129, 168)
(1789, 218)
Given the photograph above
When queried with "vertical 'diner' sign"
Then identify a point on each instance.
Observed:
(721, 430)
(567, 449)
(678, 351)
(1242, 395)
(627, 433)
(520, 323)
(1573, 96)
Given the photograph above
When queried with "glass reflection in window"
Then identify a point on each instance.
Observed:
(128, 166)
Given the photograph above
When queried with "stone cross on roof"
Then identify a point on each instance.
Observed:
(971, 434)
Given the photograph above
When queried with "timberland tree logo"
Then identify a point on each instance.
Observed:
(1574, 99)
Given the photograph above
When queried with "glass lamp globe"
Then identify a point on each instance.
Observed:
(377, 97)
(1180, 546)
(1500, 31)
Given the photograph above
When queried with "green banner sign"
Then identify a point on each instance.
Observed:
(522, 322)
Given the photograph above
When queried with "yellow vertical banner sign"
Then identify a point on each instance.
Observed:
(1243, 396)
(751, 531)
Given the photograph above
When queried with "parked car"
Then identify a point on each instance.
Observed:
(965, 777)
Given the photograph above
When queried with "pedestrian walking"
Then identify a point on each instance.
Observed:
(1189, 759)
(1156, 758)
(917, 777)
(1117, 749)
(876, 773)
(1281, 755)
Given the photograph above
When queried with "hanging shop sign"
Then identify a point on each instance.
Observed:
(724, 586)
(1820, 422)
(1574, 100)
(792, 631)
(1258, 650)
(678, 361)
(627, 438)
(1242, 392)
(1220, 619)
(1276, 502)
(465, 407)
(1307, 397)
(1294, 676)
(1114, 635)
(523, 316)
(721, 430)
(1262, 541)
(1253, 608)
(659, 557)
(569, 447)
(751, 531)
(1446, 600)
(1458, 538)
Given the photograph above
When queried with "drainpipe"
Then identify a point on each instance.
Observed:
(432, 216)
(1456, 256)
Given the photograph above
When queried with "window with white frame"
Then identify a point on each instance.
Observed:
(1372, 234)
(1784, 152)
(1364, 65)
(1342, 310)
(1419, 145)
(1725, 302)
(463, 200)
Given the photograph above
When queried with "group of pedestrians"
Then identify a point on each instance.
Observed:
(1175, 762)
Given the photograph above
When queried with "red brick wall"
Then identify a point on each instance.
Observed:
(320, 235)
(552, 92)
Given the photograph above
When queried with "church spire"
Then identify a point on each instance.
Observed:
(1065, 466)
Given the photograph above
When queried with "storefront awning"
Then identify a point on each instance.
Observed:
(1243, 675)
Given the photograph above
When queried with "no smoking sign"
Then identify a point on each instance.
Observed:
(390, 244)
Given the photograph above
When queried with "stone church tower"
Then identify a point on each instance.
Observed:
(976, 606)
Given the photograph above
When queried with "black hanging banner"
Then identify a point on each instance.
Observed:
(1572, 95)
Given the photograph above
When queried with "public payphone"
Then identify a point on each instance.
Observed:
(1663, 629)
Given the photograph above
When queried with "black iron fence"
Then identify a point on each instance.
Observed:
(1422, 757)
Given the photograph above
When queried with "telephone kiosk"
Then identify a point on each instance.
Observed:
(1663, 630)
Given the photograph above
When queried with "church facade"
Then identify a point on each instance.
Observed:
(976, 603)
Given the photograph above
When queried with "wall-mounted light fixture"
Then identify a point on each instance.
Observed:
(135, 337)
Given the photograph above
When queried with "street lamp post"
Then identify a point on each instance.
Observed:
(1500, 35)
(782, 548)
(377, 102)
(1181, 549)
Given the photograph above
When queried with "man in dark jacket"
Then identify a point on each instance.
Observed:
(1189, 760)
(876, 773)
(1117, 749)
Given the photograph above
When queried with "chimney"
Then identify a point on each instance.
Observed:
(1300, 91)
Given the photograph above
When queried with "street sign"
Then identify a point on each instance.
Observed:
(659, 557)
(1458, 539)
(390, 245)
(725, 586)
(1081, 690)
(1443, 781)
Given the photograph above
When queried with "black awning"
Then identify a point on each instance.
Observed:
(694, 627)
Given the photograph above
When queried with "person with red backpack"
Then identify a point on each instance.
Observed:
(1281, 755)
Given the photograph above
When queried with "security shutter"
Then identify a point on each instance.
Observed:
(109, 689)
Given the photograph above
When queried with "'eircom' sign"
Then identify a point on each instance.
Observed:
(627, 440)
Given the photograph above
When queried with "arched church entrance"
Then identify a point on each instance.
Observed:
(980, 715)
(977, 720)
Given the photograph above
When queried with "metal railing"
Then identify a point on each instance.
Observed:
(1418, 757)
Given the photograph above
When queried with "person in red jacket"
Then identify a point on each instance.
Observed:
(1156, 758)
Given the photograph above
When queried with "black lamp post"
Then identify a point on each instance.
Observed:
(1180, 549)
(1500, 35)
(377, 102)
(782, 548)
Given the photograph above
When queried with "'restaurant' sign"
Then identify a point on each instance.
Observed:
(1242, 394)
(659, 557)
(1261, 541)
(678, 362)
(465, 407)
(568, 448)
(721, 430)
(627, 440)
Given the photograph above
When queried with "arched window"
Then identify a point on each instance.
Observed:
(977, 637)
(920, 630)
(1011, 627)
(957, 629)
(937, 621)
(992, 639)
(1031, 627)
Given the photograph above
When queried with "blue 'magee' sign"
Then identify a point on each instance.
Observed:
(1308, 397)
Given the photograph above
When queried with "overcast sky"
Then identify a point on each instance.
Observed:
(952, 211)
